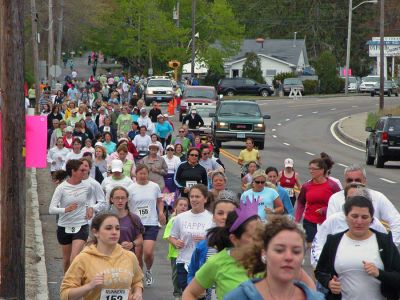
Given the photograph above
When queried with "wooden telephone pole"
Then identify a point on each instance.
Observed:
(12, 176)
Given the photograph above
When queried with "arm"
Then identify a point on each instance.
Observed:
(160, 207)
(55, 201)
(301, 201)
(240, 159)
(391, 215)
(193, 291)
(201, 121)
(324, 269)
(278, 206)
(304, 277)
(298, 183)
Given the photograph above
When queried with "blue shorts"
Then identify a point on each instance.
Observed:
(310, 229)
(150, 233)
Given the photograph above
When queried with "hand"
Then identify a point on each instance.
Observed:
(269, 210)
(334, 285)
(138, 295)
(371, 269)
(127, 245)
(89, 213)
(319, 211)
(186, 190)
(179, 244)
(162, 219)
(97, 281)
(71, 207)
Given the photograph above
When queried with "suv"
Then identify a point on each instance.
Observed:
(383, 142)
(197, 95)
(160, 89)
(232, 86)
(236, 120)
(292, 83)
(368, 82)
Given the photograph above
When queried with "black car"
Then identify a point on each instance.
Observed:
(237, 85)
(383, 143)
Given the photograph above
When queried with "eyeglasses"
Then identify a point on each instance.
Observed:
(170, 149)
(120, 198)
(181, 131)
(195, 155)
(206, 153)
(259, 182)
(349, 180)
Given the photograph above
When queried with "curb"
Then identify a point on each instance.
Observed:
(340, 132)
(42, 289)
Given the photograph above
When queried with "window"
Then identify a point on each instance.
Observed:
(270, 72)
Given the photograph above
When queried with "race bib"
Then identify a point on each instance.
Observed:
(189, 184)
(72, 229)
(114, 294)
(290, 191)
(143, 211)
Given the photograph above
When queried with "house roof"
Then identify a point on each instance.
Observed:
(281, 49)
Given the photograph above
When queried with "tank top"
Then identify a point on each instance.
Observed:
(288, 183)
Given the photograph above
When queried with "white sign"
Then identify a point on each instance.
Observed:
(389, 50)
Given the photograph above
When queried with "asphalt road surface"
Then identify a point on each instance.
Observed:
(298, 129)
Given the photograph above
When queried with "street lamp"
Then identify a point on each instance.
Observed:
(351, 8)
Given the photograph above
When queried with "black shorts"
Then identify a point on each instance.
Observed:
(311, 230)
(150, 233)
(67, 238)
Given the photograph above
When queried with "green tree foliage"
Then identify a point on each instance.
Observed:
(325, 67)
(252, 67)
(282, 76)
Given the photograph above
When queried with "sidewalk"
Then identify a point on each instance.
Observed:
(352, 129)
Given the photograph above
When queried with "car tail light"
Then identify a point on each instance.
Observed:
(384, 137)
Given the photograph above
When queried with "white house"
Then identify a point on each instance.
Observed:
(276, 56)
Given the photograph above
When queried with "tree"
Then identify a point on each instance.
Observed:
(252, 67)
(325, 67)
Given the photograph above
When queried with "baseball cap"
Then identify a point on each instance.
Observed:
(116, 165)
(98, 144)
(142, 109)
(153, 145)
(69, 129)
(170, 147)
(288, 163)
(166, 115)
(160, 116)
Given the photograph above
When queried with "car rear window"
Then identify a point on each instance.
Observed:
(199, 93)
(394, 125)
(240, 109)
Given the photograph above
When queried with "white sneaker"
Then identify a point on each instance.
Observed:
(148, 278)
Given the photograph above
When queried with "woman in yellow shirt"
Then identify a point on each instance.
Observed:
(247, 155)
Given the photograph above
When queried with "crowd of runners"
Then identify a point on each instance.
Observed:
(125, 172)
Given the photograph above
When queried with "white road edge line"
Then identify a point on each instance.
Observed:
(309, 153)
(287, 120)
(341, 141)
(387, 180)
(273, 129)
(314, 112)
(274, 136)
(279, 124)
(286, 144)
(299, 116)
(343, 165)
(333, 108)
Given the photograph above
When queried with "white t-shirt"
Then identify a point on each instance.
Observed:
(109, 183)
(334, 224)
(186, 225)
(355, 282)
(144, 202)
(56, 158)
(66, 194)
(142, 142)
(72, 155)
(384, 210)
(98, 200)
(172, 163)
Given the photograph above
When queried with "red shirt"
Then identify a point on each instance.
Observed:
(313, 197)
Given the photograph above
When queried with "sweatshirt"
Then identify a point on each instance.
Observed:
(121, 271)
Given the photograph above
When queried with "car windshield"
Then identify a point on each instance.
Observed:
(200, 93)
(205, 110)
(239, 109)
(163, 83)
(352, 80)
(292, 81)
(370, 79)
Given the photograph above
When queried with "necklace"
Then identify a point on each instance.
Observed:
(270, 293)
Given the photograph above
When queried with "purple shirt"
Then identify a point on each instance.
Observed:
(129, 231)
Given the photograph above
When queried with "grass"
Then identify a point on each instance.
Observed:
(374, 116)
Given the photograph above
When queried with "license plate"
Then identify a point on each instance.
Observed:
(158, 98)
(241, 135)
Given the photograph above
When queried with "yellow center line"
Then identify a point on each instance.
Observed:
(229, 155)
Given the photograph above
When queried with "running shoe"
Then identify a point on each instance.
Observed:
(148, 277)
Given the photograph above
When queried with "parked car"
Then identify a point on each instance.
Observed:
(383, 142)
(158, 88)
(236, 120)
(204, 112)
(390, 88)
(368, 82)
(292, 83)
(194, 95)
(237, 85)
(354, 84)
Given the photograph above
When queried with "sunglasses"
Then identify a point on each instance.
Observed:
(181, 131)
(170, 149)
(206, 153)
(349, 180)
(259, 182)
(195, 155)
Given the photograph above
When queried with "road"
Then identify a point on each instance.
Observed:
(297, 129)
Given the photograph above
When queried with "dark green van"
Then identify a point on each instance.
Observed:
(236, 120)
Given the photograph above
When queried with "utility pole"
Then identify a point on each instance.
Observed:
(60, 33)
(346, 84)
(50, 60)
(193, 38)
(382, 57)
(12, 176)
(35, 52)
